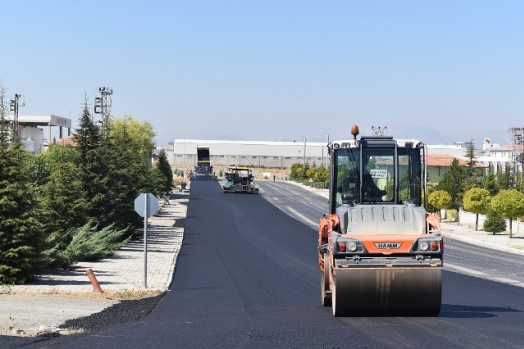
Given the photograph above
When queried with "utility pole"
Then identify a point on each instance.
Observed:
(324, 164)
(15, 136)
(516, 140)
(103, 107)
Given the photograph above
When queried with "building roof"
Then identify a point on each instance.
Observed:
(447, 160)
(43, 120)
(519, 148)
(66, 141)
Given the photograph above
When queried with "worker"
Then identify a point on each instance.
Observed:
(369, 187)
(166, 198)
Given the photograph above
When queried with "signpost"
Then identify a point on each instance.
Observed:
(146, 205)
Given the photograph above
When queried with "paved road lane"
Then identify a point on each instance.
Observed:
(247, 277)
(478, 261)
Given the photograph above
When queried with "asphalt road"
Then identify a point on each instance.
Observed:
(459, 256)
(247, 277)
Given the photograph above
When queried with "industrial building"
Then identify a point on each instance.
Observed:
(182, 153)
(32, 132)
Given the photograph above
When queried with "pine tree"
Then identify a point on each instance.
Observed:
(503, 179)
(490, 184)
(453, 183)
(96, 183)
(494, 222)
(20, 218)
(165, 168)
(470, 155)
(93, 166)
(87, 136)
(471, 179)
(62, 202)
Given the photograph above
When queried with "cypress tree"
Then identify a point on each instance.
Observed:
(453, 183)
(165, 168)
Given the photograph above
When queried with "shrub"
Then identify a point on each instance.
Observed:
(440, 199)
(494, 222)
(87, 244)
(452, 214)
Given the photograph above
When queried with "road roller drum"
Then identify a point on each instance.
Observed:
(387, 292)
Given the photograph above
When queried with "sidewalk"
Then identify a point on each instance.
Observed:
(499, 241)
(56, 297)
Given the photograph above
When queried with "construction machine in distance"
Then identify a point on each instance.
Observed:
(380, 251)
(203, 168)
(239, 179)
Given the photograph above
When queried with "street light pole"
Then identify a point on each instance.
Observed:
(323, 148)
(103, 106)
(14, 108)
(304, 151)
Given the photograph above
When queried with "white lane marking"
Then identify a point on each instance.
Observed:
(302, 217)
(464, 270)
(487, 276)
(509, 281)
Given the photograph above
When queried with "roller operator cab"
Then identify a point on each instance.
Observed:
(380, 252)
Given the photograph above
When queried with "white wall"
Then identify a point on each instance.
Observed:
(468, 219)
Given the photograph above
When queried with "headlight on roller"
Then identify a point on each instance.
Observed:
(348, 245)
(351, 246)
(429, 245)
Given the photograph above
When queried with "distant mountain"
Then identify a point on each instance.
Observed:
(432, 135)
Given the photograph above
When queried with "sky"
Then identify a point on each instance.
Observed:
(274, 70)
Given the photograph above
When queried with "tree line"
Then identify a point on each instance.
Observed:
(498, 196)
(479, 191)
(73, 203)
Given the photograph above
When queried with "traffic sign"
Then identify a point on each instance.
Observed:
(146, 204)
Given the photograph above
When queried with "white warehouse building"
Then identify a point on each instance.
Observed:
(182, 153)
